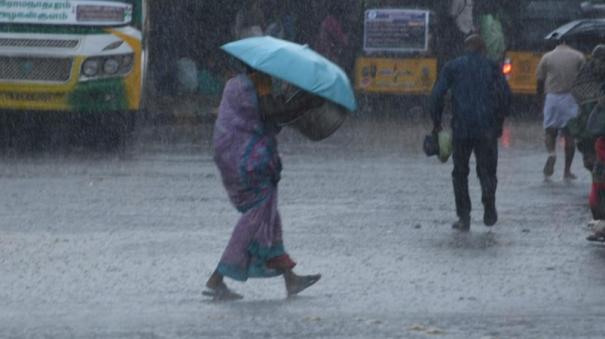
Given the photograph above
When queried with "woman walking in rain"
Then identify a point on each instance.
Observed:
(588, 128)
(245, 149)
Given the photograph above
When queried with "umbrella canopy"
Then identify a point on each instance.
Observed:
(297, 64)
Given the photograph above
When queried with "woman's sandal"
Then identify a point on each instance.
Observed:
(222, 293)
(302, 284)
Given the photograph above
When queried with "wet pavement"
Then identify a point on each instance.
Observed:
(98, 246)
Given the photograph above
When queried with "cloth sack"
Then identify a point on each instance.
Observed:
(439, 144)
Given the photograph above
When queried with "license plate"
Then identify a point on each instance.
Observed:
(16, 96)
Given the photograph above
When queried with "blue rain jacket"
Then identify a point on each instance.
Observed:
(480, 96)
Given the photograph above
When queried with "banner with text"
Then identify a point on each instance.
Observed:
(396, 30)
(65, 12)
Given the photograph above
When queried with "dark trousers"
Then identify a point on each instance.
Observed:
(486, 155)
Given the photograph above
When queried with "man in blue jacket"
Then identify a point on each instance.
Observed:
(480, 102)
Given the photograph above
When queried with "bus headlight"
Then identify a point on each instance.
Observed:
(111, 66)
(106, 66)
(90, 68)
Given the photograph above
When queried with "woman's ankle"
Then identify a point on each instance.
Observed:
(289, 276)
(215, 280)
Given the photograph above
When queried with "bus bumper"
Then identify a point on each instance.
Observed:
(93, 96)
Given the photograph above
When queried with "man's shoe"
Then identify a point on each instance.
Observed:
(549, 167)
(490, 216)
(463, 224)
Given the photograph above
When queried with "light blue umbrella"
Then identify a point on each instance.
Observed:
(297, 64)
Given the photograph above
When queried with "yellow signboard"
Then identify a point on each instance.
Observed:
(395, 75)
(522, 76)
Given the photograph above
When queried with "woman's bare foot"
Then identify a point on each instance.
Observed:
(298, 283)
(218, 290)
(215, 280)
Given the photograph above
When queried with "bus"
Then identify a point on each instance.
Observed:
(397, 54)
(81, 60)
(405, 43)
(528, 23)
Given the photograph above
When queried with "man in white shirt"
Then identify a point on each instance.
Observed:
(556, 74)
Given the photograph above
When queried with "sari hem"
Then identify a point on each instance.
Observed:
(257, 268)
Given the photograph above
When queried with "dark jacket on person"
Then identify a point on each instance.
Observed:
(480, 96)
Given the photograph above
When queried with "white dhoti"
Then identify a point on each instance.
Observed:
(559, 109)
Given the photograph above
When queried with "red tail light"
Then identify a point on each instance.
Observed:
(507, 68)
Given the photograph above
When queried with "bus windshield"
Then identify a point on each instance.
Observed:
(66, 12)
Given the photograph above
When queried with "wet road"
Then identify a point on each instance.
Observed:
(95, 246)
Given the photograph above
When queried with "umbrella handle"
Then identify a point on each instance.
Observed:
(292, 97)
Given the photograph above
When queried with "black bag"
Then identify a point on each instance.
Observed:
(430, 145)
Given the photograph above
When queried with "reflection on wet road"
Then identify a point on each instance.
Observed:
(95, 246)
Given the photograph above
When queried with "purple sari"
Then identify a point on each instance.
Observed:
(245, 152)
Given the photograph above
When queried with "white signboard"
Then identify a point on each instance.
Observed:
(396, 30)
(65, 12)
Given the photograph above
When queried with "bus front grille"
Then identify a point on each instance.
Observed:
(35, 69)
(39, 43)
